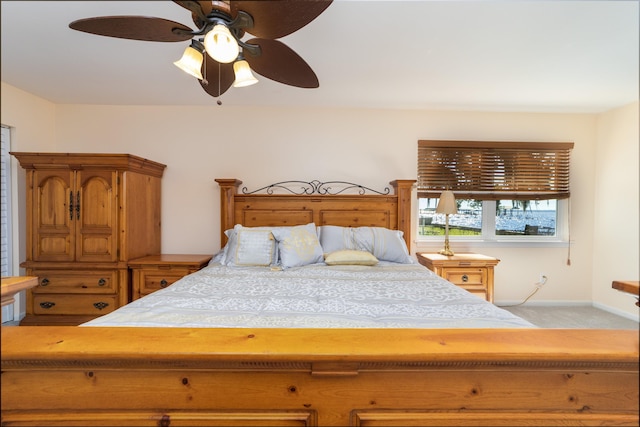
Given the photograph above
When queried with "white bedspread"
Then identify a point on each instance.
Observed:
(314, 296)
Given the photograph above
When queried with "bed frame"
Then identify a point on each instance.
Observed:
(67, 376)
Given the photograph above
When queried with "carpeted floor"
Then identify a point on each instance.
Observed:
(572, 317)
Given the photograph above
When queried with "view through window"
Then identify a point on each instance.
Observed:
(496, 218)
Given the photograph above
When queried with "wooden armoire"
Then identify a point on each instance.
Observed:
(87, 215)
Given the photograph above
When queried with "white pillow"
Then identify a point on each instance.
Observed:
(298, 245)
(350, 257)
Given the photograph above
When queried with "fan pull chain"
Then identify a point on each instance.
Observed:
(219, 72)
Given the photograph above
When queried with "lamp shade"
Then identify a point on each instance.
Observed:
(221, 45)
(191, 62)
(447, 203)
(244, 76)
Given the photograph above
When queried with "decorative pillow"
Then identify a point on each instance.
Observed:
(221, 256)
(298, 245)
(383, 243)
(350, 257)
(217, 258)
(335, 238)
(250, 246)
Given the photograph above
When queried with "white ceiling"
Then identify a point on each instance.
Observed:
(509, 55)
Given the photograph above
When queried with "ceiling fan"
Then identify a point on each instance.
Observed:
(218, 56)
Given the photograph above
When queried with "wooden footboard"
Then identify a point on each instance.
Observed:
(172, 376)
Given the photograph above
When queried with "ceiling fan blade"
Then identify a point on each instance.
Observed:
(275, 19)
(280, 63)
(133, 28)
(199, 10)
(198, 7)
(217, 77)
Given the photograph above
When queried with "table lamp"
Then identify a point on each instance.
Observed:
(447, 206)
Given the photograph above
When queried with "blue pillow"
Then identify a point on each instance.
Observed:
(250, 246)
(298, 245)
(383, 243)
(334, 238)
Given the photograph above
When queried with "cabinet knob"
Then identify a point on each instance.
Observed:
(163, 283)
(465, 278)
(102, 282)
(47, 304)
(44, 282)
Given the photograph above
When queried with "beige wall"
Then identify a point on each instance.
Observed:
(616, 252)
(264, 145)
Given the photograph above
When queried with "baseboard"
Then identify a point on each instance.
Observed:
(563, 303)
(617, 312)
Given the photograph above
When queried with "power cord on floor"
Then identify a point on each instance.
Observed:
(538, 286)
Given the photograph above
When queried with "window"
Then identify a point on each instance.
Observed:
(5, 214)
(504, 190)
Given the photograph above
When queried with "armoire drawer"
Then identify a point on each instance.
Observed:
(49, 304)
(75, 282)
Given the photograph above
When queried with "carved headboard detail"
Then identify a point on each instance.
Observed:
(324, 203)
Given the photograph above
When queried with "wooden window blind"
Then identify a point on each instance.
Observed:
(486, 170)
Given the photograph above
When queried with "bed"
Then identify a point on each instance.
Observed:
(445, 357)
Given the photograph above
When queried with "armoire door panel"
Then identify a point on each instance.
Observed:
(52, 217)
(97, 217)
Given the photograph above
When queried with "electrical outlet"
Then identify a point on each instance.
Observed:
(543, 279)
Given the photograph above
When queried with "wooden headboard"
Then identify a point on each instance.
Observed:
(316, 202)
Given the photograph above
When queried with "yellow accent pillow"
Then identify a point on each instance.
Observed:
(350, 257)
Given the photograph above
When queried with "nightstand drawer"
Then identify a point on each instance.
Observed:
(155, 272)
(472, 272)
(151, 281)
(466, 277)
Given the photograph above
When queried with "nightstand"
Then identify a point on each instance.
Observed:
(473, 272)
(154, 272)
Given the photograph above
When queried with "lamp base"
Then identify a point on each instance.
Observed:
(446, 252)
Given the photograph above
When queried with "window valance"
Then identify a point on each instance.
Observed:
(492, 170)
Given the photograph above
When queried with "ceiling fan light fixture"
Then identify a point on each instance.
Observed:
(244, 76)
(191, 62)
(221, 45)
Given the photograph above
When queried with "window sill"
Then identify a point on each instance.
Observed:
(469, 245)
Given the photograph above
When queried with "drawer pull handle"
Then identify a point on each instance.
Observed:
(100, 305)
(44, 282)
(70, 205)
(465, 278)
(163, 283)
(102, 282)
(47, 304)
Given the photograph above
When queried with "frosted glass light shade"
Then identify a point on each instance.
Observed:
(221, 45)
(447, 203)
(191, 62)
(244, 76)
